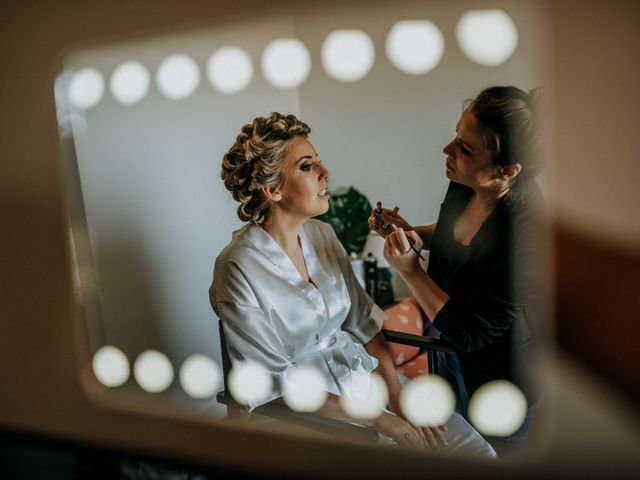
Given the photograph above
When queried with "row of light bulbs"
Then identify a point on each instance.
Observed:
(487, 37)
(497, 408)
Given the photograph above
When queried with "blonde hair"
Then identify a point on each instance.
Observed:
(255, 161)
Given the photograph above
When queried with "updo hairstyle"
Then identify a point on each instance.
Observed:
(255, 160)
(507, 118)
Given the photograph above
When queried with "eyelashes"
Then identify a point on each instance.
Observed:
(463, 149)
(306, 167)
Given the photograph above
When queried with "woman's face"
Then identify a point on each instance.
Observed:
(304, 189)
(468, 160)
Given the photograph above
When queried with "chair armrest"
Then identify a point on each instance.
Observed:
(426, 343)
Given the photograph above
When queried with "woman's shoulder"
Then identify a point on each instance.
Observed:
(230, 274)
(237, 249)
(526, 202)
(457, 195)
(454, 189)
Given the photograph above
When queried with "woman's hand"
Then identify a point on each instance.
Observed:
(434, 436)
(397, 428)
(375, 222)
(398, 252)
(401, 431)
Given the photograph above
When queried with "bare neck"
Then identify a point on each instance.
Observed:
(284, 230)
(488, 198)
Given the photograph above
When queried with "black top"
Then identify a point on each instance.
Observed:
(493, 295)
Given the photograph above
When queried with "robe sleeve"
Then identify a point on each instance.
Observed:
(249, 333)
(472, 323)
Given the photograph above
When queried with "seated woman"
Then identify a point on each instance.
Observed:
(285, 291)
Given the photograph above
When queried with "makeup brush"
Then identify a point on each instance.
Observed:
(410, 244)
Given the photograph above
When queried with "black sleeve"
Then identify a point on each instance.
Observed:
(495, 297)
(472, 322)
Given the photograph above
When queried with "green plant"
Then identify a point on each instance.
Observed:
(348, 214)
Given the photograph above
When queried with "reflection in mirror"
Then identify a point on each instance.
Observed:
(299, 337)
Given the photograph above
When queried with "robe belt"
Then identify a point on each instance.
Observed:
(322, 344)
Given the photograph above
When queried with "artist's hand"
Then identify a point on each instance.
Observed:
(398, 252)
(375, 221)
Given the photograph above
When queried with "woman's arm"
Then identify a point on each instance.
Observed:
(378, 348)
(430, 297)
(469, 322)
(398, 253)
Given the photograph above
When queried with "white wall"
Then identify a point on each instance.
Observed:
(156, 208)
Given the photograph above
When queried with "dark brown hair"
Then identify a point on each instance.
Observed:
(508, 118)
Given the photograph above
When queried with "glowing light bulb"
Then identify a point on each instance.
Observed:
(111, 366)
(415, 46)
(427, 401)
(86, 88)
(178, 76)
(497, 408)
(130, 82)
(200, 376)
(249, 382)
(153, 371)
(305, 390)
(487, 37)
(229, 70)
(286, 63)
(347, 55)
(365, 397)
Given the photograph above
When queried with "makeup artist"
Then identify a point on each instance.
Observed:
(480, 286)
(285, 292)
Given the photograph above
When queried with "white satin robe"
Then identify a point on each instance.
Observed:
(271, 315)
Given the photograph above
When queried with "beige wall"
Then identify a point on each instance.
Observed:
(596, 167)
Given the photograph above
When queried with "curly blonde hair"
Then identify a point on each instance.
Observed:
(255, 161)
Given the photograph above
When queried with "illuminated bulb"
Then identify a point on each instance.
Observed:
(130, 82)
(178, 76)
(487, 37)
(153, 371)
(365, 397)
(415, 46)
(200, 376)
(305, 390)
(497, 408)
(286, 63)
(86, 88)
(111, 366)
(249, 382)
(427, 401)
(229, 70)
(347, 55)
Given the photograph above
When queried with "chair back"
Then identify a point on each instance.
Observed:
(233, 408)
